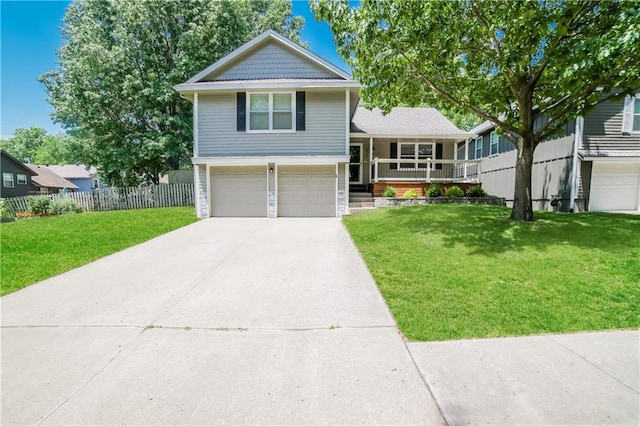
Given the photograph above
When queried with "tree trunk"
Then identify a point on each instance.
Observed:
(522, 203)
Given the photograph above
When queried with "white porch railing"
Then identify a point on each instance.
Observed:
(388, 169)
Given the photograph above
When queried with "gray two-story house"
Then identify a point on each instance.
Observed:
(278, 132)
(594, 165)
(271, 132)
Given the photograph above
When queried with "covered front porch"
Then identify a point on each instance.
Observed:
(408, 164)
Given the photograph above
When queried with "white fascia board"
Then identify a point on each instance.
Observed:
(453, 138)
(257, 161)
(187, 89)
(269, 34)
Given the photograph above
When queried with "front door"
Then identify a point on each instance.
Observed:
(355, 164)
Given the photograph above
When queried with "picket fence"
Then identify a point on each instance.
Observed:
(141, 197)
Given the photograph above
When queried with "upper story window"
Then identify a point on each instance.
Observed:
(271, 112)
(636, 115)
(493, 147)
(7, 180)
(478, 147)
(22, 179)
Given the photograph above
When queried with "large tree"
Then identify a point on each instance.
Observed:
(119, 62)
(527, 66)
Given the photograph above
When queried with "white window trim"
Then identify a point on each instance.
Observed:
(22, 181)
(270, 112)
(6, 178)
(415, 155)
(491, 144)
(475, 148)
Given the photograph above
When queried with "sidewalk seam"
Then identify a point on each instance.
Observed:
(598, 367)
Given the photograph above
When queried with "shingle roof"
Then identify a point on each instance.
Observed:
(72, 171)
(49, 179)
(482, 128)
(403, 121)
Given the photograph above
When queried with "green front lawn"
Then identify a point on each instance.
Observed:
(39, 248)
(464, 271)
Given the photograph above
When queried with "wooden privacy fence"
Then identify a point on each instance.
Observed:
(141, 197)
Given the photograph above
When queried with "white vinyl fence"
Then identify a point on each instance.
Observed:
(141, 197)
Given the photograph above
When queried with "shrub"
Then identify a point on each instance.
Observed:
(4, 212)
(434, 190)
(476, 191)
(389, 191)
(454, 191)
(410, 193)
(39, 205)
(65, 205)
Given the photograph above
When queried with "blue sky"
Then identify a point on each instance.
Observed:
(30, 35)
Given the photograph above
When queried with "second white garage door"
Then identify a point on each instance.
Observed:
(614, 186)
(239, 191)
(307, 191)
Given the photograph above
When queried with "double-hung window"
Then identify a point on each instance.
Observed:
(493, 148)
(22, 179)
(478, 147)
(636, 115)
(414, 151)
(7, 180)
(271, 112)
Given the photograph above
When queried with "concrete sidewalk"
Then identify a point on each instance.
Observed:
(248, 321)
(585, 378)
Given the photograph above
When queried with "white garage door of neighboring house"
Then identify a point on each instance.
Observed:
(614, 186)
(239, 191)
(307, 191)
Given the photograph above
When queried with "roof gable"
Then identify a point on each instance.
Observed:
(270, 56)
(14, 160)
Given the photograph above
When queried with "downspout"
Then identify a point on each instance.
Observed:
(577, 144)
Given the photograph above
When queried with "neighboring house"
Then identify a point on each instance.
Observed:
(85, 178)
(49, 182)
(273, 136)
(16, 177)
(595, 166)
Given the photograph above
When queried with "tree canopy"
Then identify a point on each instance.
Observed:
(527, 66)
(36, 146)
(119, 62)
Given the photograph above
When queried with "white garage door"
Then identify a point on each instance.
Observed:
(239, 191)
(614, 186)
(307, 191)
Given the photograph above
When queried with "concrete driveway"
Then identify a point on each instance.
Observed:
(238, 321)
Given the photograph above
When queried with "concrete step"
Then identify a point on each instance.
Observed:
(356, 210)
(360, 194)
(361, 204)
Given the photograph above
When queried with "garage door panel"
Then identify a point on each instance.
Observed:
(306, 191)
(614, 186)
(239, 191)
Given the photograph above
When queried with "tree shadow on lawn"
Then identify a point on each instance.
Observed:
(488, 229)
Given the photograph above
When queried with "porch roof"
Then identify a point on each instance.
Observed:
(405, 122)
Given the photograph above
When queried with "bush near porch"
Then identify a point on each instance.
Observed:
(467, 271)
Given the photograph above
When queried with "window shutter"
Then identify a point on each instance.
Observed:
(300, 110)
(438, 156)
(627, 115)
(394, 154)
(242, 111)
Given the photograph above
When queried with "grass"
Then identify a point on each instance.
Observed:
(39, 248)
(465, 271)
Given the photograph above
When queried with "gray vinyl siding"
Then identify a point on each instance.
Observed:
(270, 61)
(325, 132)
(342, 195)
(603, 129)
